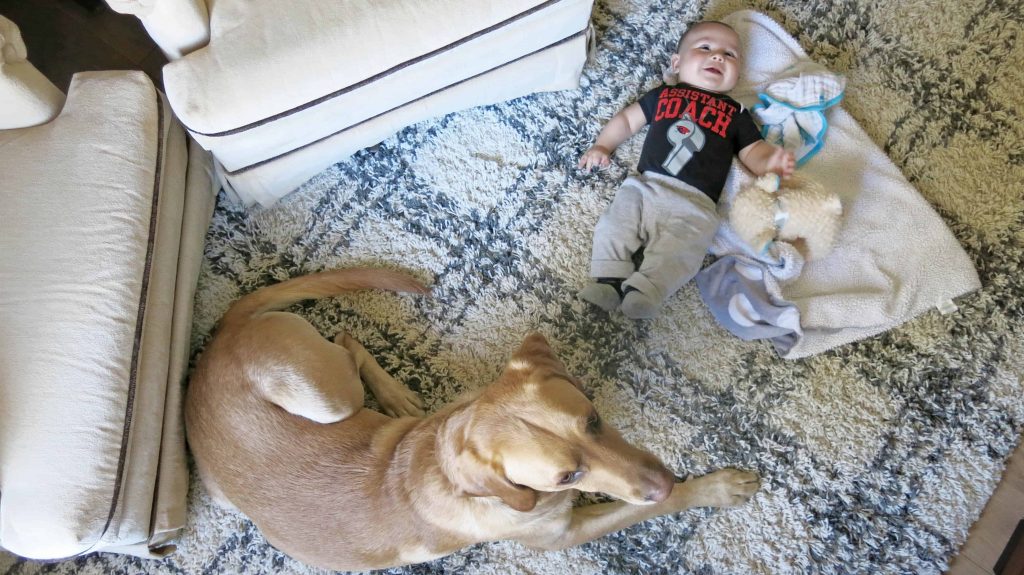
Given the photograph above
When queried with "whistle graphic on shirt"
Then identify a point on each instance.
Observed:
(687, 139)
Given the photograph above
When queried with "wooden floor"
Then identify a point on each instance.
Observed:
(68, 36)
(988, 537)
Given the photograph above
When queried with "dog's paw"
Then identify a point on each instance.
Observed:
(724, 488)
(401, 402)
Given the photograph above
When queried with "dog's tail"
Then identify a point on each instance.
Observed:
(319, 285)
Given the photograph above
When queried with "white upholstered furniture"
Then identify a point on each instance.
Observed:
(103, 213)
(279, 90)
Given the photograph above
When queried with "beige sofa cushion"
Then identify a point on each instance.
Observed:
(279, 75)
(555, 68)
(27, 98)
(89, 258)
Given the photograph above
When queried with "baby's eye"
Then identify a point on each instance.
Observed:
(704, 47)
(730, 54)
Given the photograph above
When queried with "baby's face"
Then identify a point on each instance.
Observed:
(709, 58)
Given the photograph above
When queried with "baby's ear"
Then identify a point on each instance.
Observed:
(670, 74)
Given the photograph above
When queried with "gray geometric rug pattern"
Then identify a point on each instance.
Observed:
(876, 456)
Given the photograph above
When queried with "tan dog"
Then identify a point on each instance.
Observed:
(275, 420)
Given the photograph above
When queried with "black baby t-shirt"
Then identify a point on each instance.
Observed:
(693, 135)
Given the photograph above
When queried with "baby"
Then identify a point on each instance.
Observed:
(669, 208)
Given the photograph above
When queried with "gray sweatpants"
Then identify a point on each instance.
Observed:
(673, 221)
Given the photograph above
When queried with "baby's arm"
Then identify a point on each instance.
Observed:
(620, 128)
(762, 157)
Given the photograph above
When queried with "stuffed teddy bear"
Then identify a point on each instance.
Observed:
(801, 213)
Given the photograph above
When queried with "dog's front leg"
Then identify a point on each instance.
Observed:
(394, 398)
(723, 488)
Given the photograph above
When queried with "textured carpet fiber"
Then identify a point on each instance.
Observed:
(876, 456)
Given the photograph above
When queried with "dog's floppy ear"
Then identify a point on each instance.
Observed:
(534, 347)
(480, 478)
(535, 352)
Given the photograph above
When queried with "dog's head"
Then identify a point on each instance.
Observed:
(534, 430)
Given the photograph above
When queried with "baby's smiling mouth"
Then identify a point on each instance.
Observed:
(713, 70)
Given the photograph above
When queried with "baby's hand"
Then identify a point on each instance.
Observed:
(782, 162)
(595, 157)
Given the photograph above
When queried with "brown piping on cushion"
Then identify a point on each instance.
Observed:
(133, 373)
(271, 159)
(377, 77)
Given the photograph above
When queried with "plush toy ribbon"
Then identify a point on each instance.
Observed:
(792, 110)
(785, 262)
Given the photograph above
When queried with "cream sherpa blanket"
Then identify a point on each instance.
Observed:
(895, 257)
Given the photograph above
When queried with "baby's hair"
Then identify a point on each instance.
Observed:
(697, 26)
(667, 74)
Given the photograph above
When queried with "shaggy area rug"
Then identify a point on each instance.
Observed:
(876, 456)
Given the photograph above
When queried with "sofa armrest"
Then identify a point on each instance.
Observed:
(177, 26)
(27, 98)
(91, 453)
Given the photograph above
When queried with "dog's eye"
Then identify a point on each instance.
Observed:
(570, 477)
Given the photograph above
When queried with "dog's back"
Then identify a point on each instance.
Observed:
(274, 466)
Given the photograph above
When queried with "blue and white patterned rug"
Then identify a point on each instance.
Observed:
(876, 456)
